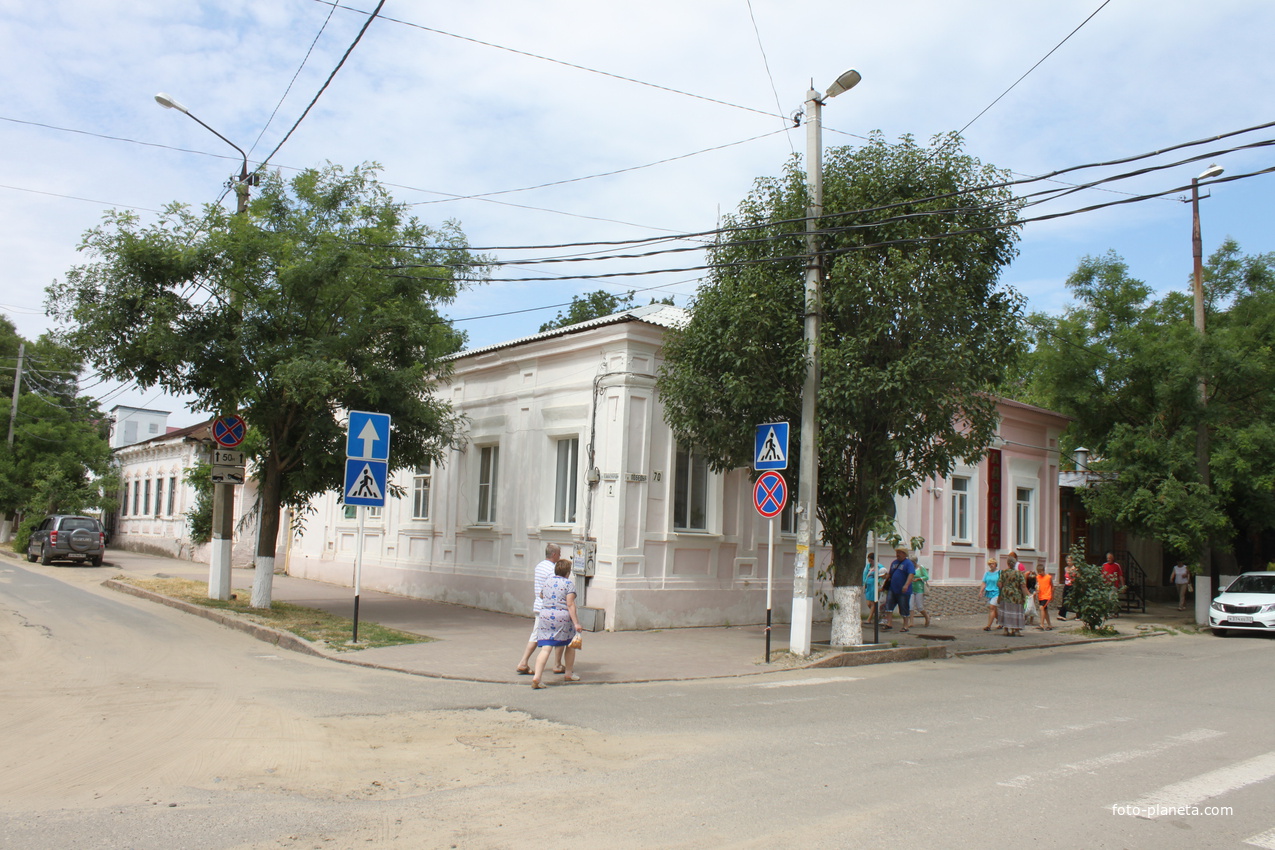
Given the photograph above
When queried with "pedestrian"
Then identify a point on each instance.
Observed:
(1069, 579)
(991, 591)
(557, 624)
(1029, 605)
(1181, 580)
(920, 581)
(902, 571)
(1013, 591)
(1114, 575)
(542, 573)
(871, 578)
(1044, 595)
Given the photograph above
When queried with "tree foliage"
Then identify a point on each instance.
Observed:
(591, 305)
(1127, 367)
(916, 331)
(60, 460)
(323, 297)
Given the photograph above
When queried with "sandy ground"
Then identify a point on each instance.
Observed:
(165, 738)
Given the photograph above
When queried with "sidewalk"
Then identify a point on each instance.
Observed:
(483, 646)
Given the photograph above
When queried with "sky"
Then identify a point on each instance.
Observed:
(667, 110)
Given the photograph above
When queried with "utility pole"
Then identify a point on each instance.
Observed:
(803, 602)
(223, 518)
(6, 528)
(1197, 290)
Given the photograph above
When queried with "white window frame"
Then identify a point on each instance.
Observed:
(566, 485)
(172, 495)
(488, 481)
(1024, 517)
(959, 508)
(688, 472)
(422, 481)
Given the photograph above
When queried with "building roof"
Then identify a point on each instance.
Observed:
(663, 315)
(197, 431)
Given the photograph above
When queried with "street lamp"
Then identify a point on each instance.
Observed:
(808, 469)
(1202, 428)
(223, 518)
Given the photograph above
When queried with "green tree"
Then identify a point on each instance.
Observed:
(916, 333)
(1127, 367)
(323, 297)
(592, 305)
(60, 460)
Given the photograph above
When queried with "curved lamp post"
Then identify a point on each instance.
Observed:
(808, 468)
(223, 519)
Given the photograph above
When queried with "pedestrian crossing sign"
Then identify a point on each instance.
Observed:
(365, 482)
(771, 450)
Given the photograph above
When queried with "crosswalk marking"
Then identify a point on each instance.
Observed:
(1266, 840)
(792, 683)
(1120, 757)
(1193, 791)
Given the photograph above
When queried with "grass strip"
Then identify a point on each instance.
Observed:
(313, 624)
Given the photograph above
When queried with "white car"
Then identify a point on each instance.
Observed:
(1247, 604)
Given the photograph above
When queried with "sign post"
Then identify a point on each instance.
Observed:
(367, 461)
(770, 495)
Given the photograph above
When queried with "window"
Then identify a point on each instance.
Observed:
(690, 492)
(488, 461)
(137, 496)
(420, 492)
(564, 494)
(1024, 531)
(172, 496)
(146, 500)
(159, 496)
(350, 511)
(959, 521)
(374, 512)
(124, 507)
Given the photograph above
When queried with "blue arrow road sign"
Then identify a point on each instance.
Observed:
(771, 451)
(365, 482)
(368, 435)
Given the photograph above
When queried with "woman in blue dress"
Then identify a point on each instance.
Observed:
(557, 623)
(991, 592)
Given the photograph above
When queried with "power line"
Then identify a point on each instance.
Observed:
(293, 81)
(326, 83)
(561, 62)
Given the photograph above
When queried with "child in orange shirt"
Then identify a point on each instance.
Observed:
(1044, 595)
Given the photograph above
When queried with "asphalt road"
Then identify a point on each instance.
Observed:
(127, 724)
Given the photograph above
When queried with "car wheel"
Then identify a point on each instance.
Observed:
(46, 556)
(96, 560)
(1220, 632)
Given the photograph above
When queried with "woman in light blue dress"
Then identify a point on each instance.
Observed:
(557, 623)
(991, 592)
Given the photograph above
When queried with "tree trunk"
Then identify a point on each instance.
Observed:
(847, 595)
(267, 533)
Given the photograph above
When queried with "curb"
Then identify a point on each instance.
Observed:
(880, 656)
(1003, 650)
(283, 640)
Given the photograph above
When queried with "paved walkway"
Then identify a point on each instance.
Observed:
(479, 645)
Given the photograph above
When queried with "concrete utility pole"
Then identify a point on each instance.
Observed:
(223, 518)
(803, 603)
(1201, 429)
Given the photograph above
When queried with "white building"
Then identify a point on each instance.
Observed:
(567, 443)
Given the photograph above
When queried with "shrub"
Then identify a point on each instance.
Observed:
(1091, 596)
